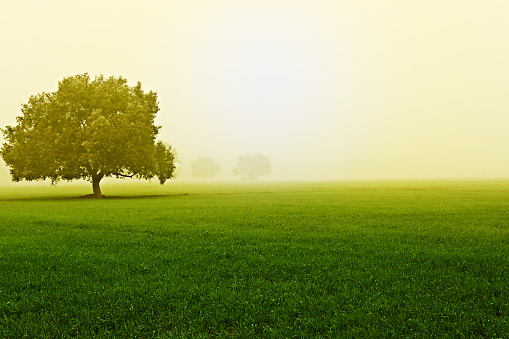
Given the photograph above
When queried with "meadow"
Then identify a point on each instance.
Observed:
(405, 259)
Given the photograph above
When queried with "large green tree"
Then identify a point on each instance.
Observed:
(88, 129)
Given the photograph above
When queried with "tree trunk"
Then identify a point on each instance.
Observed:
(95, 185)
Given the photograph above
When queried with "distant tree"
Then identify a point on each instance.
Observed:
(4, 174)
(204, 168)
(176, 160)
(252, 166)
(88, 129)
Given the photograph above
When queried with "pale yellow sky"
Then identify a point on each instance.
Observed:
(327, 89)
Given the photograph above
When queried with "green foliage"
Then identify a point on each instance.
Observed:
(87, 129)
(335, 260)
(252, 166)
(204, 168)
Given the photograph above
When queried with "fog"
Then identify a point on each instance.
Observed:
(327, 89)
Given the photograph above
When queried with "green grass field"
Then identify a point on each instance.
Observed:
(271, 260)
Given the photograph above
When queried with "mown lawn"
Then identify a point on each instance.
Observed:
(236, 260)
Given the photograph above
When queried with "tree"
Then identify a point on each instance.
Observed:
(88, 129)
(204, 168)
(252, 166)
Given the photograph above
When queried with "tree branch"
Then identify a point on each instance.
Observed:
(123, 175)
(89, 168)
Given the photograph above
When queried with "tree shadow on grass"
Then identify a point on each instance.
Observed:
(91, 196)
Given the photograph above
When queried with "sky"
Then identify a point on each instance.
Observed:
(328, 89)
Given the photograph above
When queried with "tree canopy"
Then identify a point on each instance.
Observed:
(252, 166)
(88, 129)
(204, 168)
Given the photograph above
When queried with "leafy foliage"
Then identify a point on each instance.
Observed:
(88, 129)
(204, 168)
(252, 166)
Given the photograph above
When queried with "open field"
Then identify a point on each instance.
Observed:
(354, 259)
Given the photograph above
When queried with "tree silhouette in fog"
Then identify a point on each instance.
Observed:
(252, 166)
(204, 168)
(88, 129)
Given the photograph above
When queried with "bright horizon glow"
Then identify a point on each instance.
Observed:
(269, 76)
(327, 89)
